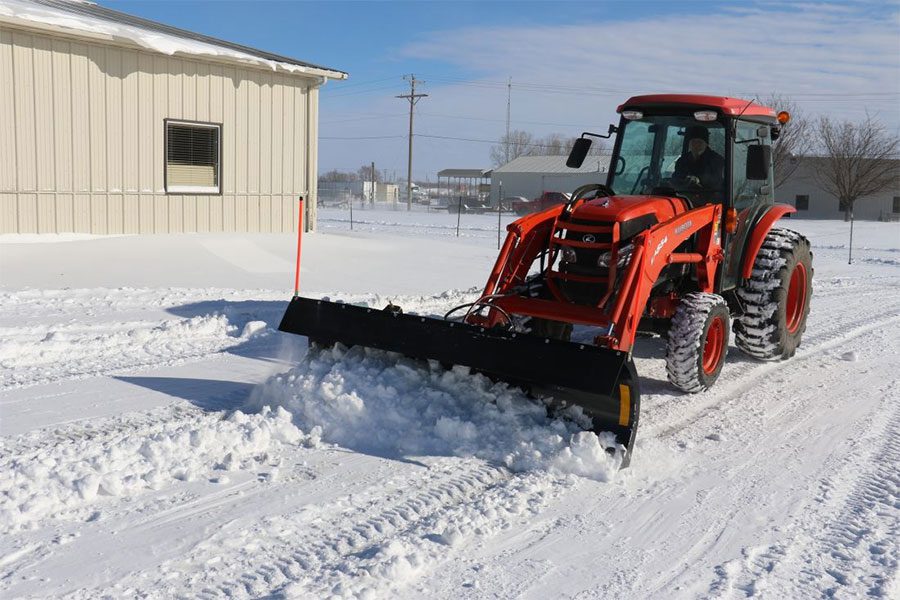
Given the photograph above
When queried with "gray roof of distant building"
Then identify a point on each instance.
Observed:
(553, 164)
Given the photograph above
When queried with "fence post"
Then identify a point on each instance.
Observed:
(351, 213)
(458, 213)
(499, 208)
(850, 255)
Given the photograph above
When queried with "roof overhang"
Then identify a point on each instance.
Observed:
(87, 21)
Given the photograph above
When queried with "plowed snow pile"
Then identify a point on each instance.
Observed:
(381, 403)
(62, 481)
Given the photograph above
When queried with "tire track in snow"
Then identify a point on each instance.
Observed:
(45, 439)
(739, 379)
(382, 543)
(856, 548)
(775, 420)
(845, 543)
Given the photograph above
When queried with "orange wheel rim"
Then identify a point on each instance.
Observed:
(796, 298)
(714, 345)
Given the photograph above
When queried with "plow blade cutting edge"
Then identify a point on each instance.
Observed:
(601, 381)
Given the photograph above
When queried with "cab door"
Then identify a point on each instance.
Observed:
(749, 197)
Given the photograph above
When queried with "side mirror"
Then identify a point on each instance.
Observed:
(758, 160)
(579, 153)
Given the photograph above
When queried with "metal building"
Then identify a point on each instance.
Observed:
(531, 176)
(803, 190)
(114, 124)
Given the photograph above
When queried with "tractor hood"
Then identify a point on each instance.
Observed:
(633, 213)
(626, 208)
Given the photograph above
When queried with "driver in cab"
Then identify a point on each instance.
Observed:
(700, 167)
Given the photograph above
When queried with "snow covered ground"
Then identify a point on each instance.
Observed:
(161, 439)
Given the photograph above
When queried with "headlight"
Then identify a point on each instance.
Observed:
(624, 257)
(568, 255)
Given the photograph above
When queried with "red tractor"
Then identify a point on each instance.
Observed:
(678, 242)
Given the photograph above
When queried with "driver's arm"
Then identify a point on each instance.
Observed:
(714, 174)
(680, 168)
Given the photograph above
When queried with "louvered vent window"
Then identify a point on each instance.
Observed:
(192, 158)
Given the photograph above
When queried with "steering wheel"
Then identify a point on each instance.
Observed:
(639, 179)
(580, 192)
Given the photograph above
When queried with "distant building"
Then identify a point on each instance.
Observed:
(110, 123)
(812, 202)
(341, 192)
(463, 183)
(530, 176)
(387, 192)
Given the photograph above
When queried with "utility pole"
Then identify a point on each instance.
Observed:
(373, 183)
(508, 96)
(413, 97)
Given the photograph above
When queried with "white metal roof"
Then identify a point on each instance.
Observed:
(87, 19)
(469, 173)
(552, 164)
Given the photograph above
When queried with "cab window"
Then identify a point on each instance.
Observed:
(747, 192)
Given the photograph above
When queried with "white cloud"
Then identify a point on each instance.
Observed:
(836, 62)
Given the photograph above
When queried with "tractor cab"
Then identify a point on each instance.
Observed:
(702, 149)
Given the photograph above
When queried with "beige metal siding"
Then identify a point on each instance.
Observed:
(82, 125)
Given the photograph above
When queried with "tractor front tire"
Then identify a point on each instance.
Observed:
(776, 297)
(698, 341)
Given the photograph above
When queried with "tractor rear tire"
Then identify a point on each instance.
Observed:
(776, 297)
(698, 341)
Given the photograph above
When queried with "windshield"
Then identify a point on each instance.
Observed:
(670, 153)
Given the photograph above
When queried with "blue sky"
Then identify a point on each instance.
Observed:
(571, 63)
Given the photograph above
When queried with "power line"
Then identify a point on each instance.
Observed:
(361, 92)
(604, 90)
(369, 118)
(371, 137)
(482, 141)
(515, 121)
(367, 82)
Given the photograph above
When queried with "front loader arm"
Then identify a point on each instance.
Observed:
(526, 238)
(655, 250)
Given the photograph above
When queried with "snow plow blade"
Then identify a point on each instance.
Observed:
(601, 381)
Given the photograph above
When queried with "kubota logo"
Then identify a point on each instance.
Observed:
(589, 238)
(659, 247)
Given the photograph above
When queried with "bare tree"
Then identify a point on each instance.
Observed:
(520, 144)
(554, 144)
(364, 173)
(335, 176)
(523, 143)
(795, 140)
(860, 160)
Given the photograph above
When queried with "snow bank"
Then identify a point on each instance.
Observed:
(53, 481)
(384, 404)
(53, 238)
(37, 354)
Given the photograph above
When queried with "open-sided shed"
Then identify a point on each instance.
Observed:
(465, 183)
